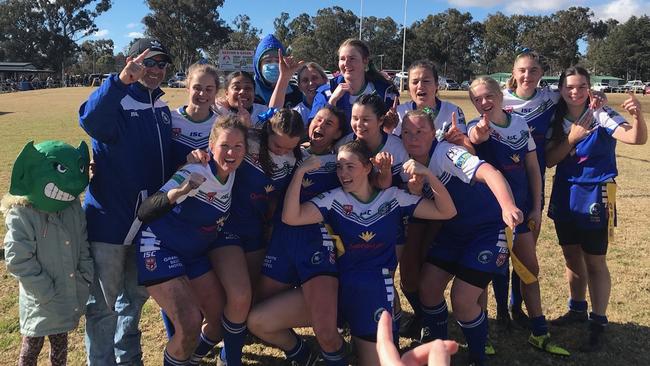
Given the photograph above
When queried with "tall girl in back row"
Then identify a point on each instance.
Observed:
(582, 144)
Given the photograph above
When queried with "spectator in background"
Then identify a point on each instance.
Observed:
(267, 73)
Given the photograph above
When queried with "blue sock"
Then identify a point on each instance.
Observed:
(435, 320)
(396, 323)
(169, 326)
(414, 300)
(515, 292)
(500, 283)
(205, 346)
(171, 361)
(475, 332)
(539, 325)
(300, 353)
(578, 305)
(336, 358)
(234, 336)
(598, 319)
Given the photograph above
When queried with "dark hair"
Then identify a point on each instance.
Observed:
(287, 122)
(427, 65)
(338, 113)
(562, 109)
(205, 68)
(312, 66)
(233, 75)
(358, 148)
(228, 122)
(371, 74)
(511, 83)
(373, 101)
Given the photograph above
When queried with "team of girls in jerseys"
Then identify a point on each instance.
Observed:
(279, 218)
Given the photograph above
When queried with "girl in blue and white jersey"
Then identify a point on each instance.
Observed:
(239, 97)
(581, 144)
(470, 248)
(503, 140)
(368, 222)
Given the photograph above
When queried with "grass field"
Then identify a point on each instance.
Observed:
(52, 114)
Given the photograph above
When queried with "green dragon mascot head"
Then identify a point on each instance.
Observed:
(51, 174)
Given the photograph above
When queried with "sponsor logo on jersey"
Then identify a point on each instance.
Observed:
(178, 178)
(515, 158)
(165, 118)
(210, 196)
(306, 183)
(502, 258)
(462, 159)
(484, 256)
(150, 264)
(367, 236)
(269, 188)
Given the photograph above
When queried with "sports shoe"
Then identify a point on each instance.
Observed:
(519, 317)
(544, 343)
(311, 360)
(489, 348)
(596, 338)
(571, 317)
(503, 320)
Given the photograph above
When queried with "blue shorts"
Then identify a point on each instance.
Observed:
(247, 234)
(297, 254)
(483, 249)
(588, 206)
(159, 261)
(363, 296)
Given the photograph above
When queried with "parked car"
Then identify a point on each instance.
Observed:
(465, 85)
(177, 81)
(646, 90)
(635, 86)
(602, 87)
(401, 77)
(452, 85)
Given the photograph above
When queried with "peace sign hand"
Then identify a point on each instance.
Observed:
(134, 68)
(288, 65)
(243, 114)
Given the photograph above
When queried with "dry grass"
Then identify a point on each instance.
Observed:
(52, 114)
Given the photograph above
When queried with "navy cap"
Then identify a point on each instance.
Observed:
(154, 46)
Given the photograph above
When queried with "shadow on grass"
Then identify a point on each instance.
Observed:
(3, 113)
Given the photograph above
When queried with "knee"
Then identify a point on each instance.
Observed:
(239, 302)
(257, 322)
(328, 337)
(597, 267)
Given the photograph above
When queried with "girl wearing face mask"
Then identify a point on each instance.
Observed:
(267, 73)
(239, 99)
(581, 144)
(299, 279)
(241, 245)
(469, 249)
(503, 140)
(191, 123)
(368, 221)
(358, 77)
(180, 224)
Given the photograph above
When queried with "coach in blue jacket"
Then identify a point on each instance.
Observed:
(131, 134)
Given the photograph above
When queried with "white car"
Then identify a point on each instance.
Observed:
(601, 87)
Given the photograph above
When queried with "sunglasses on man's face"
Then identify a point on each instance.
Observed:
(149, 62)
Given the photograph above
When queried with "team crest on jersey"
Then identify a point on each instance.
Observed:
(367, 236)
(384, 208)
(484, 256)
(347, 209)
(515, 158)
(594, 212)
(508, 109)
(269, 188)
(462, 159)
(210, 196)
(306, 183)
(165, 118)
(150, 264)
(176, 131)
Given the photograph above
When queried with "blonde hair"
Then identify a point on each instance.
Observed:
(511, 83)
(228, 122)
(492, 85)
(312, 66)
(202, 68)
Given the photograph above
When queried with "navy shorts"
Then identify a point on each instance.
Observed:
(159, 261)
(592, 241)
(363, 296)
(243, 233)
(297, 254)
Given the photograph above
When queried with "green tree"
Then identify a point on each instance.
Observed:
(282, 31)
(244, 36)
(383, 38)
(186, 27)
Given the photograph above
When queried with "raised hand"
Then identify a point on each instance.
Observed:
(383, 162)
(288, 65)
(581, 128)
(482, 128)
(454, 135)
(632, 105)
(391, 118)
(134, 69)
(340, 91)
(192, 182)
(412, 167)
(312, 163)
(198, 156)
(243, 114)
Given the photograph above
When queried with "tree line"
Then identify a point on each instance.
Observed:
(48, 34)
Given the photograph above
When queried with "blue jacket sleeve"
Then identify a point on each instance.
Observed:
(101, 114)
(320, 100)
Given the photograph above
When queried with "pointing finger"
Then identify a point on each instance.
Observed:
(142, 56)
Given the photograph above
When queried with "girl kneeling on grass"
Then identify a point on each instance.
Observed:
(368, 222)
(582, 143)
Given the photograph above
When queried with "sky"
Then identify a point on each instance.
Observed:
(124, 20)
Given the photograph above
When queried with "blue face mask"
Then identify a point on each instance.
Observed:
(271, 72)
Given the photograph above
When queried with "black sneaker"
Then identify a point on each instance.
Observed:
(571, 317)
(596, 338)
(519, 317)
(503, 320)
(409, 326)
